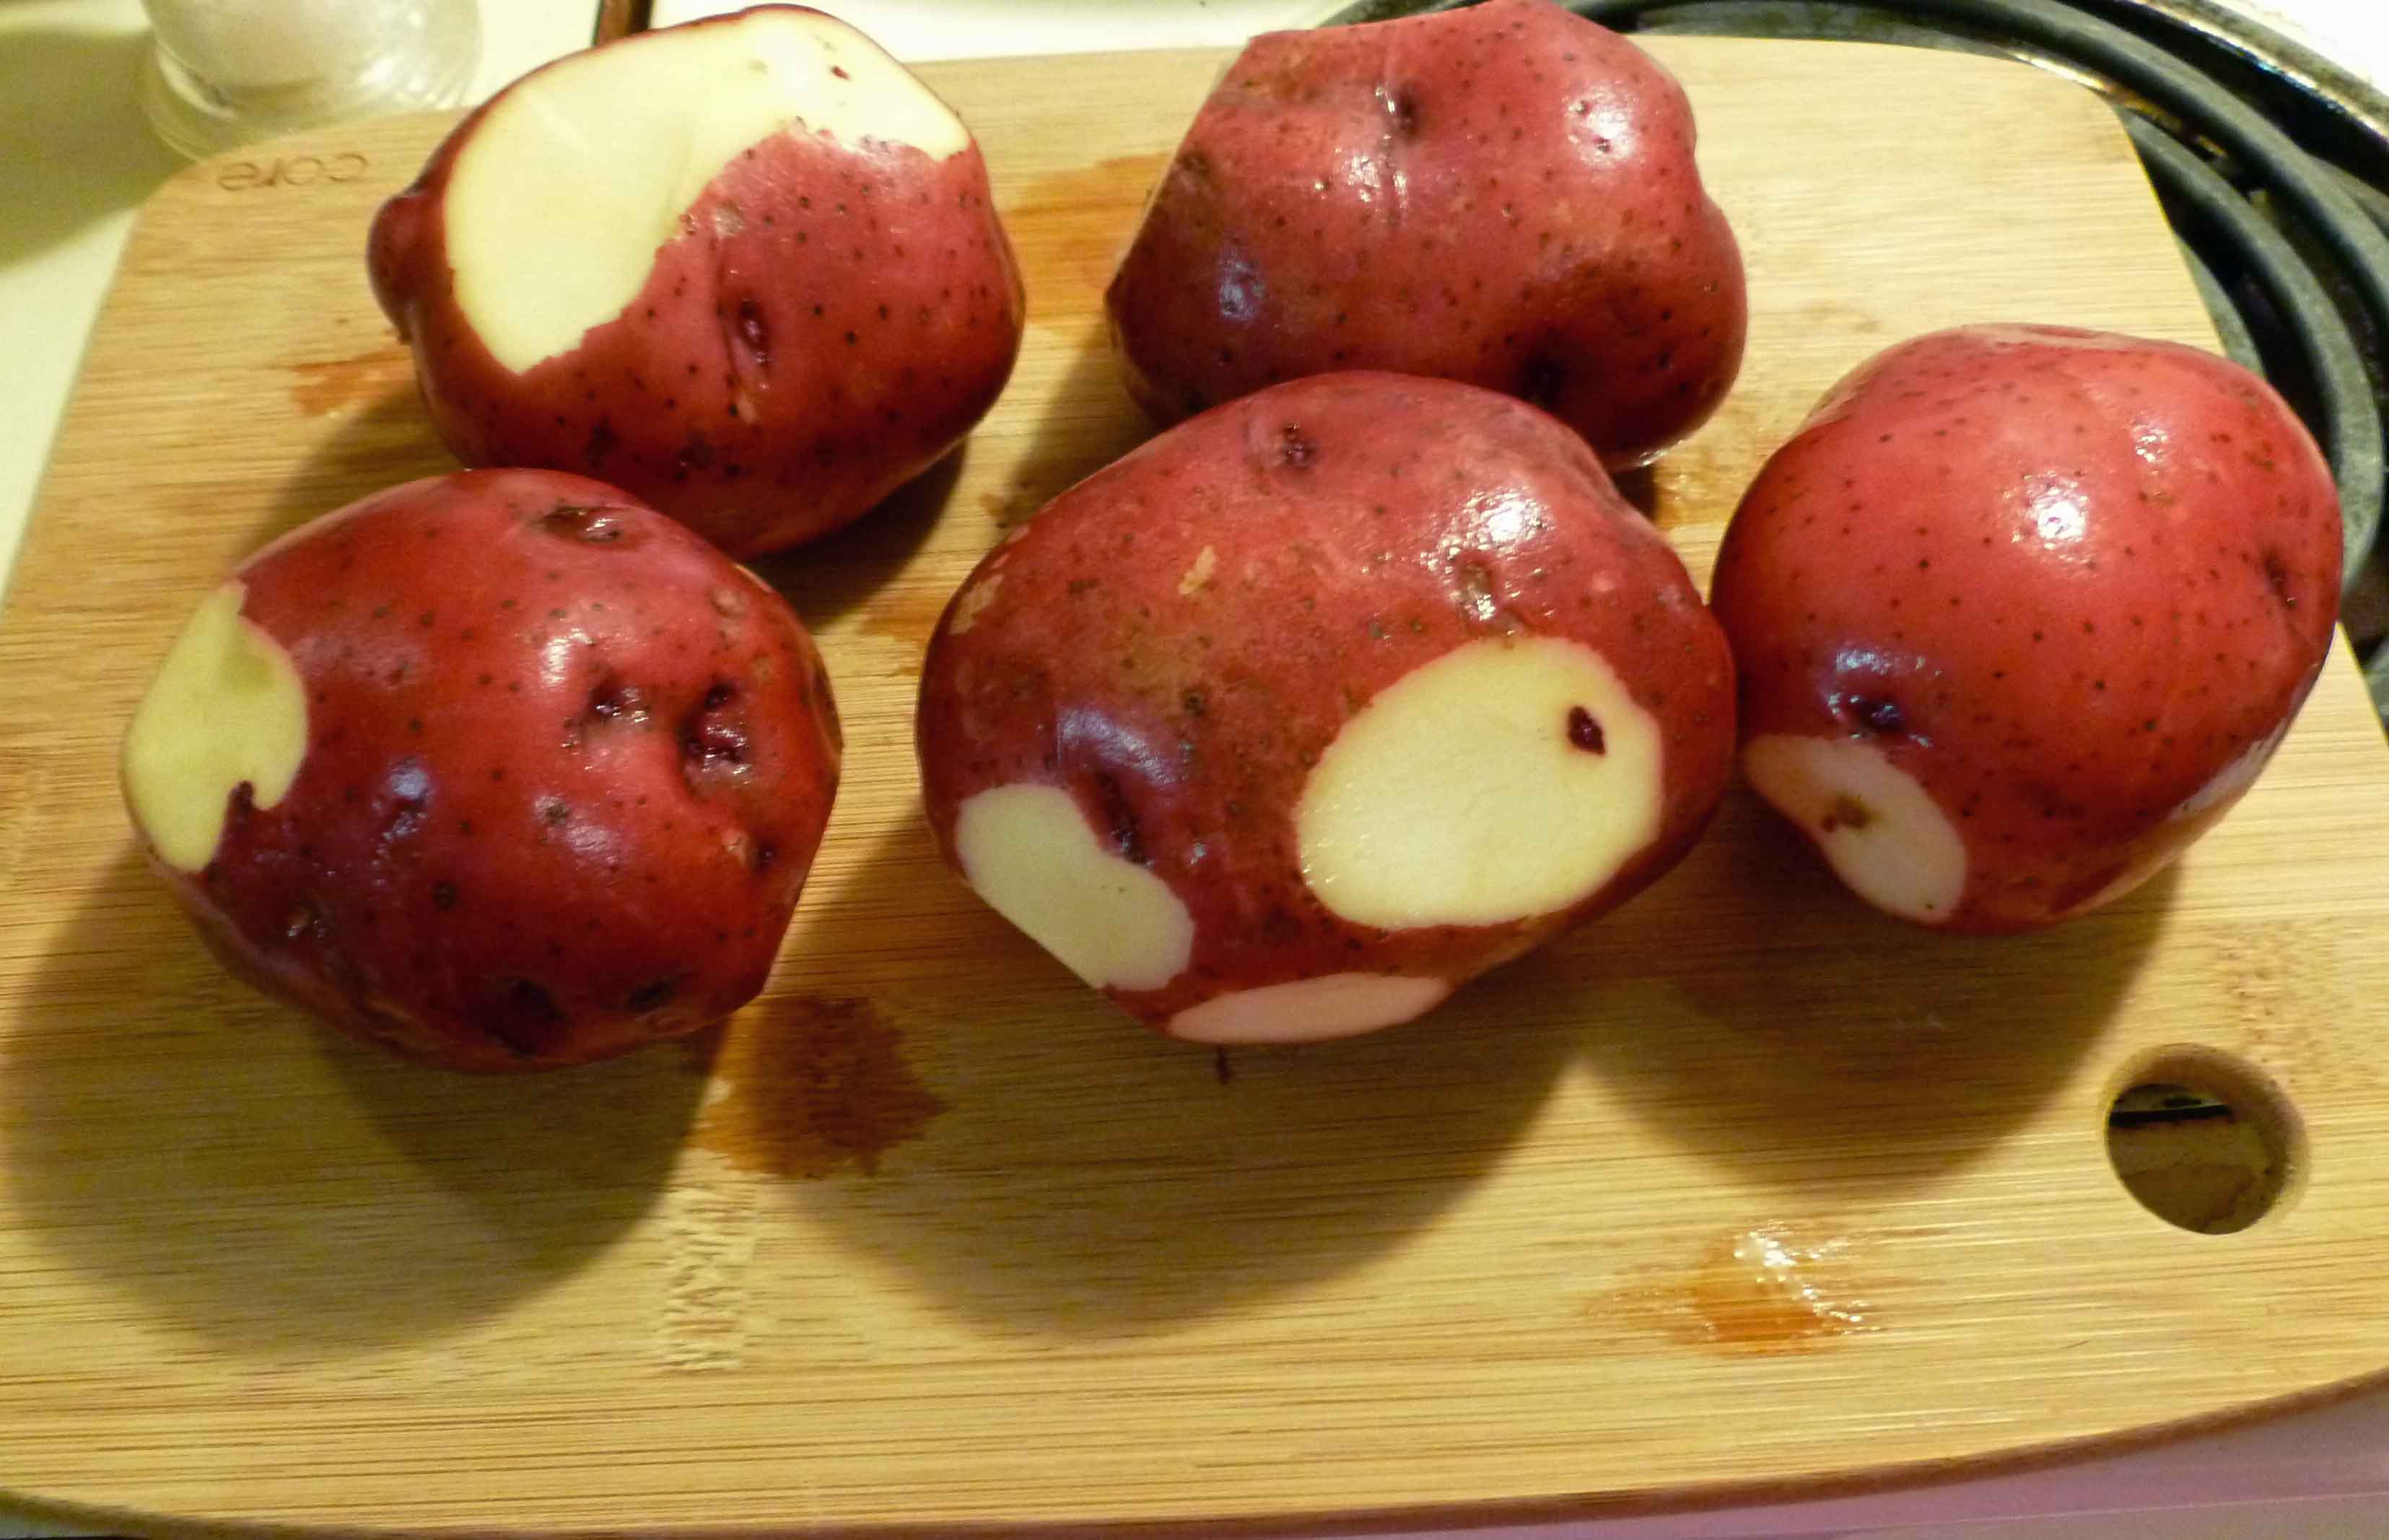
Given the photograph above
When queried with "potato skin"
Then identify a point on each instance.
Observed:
(1503, 194)
(567, 771)
(1177, 639)
(2093, 576)
(777, 376)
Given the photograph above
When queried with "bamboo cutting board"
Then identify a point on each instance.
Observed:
(1743, 1189)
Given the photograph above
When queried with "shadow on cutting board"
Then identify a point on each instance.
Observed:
(260, 1183)
(381, 437)
(1760, 1019)
(1084, 1177)
(73, 144)
(826, 579)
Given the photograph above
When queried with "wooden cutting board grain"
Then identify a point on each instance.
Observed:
(1743, 1189)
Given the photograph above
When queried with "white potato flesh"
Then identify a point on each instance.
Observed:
(574, 177)
(226, 708)
(1510, 777)
(1035, 858)
(1882, 834)
(1309, 1010)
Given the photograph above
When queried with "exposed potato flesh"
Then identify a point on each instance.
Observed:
(1881, 832)
(559, 202)
(227, 710)
(1309, 1010)
(1032, 854)
(1507, 778)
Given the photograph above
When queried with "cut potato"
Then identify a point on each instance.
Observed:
(746, 269)
(1320, 705)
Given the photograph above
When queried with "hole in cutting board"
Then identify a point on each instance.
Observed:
(2205, 1140)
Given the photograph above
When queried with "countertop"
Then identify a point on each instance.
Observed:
(76, 160)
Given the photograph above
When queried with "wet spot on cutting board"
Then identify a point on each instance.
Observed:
(1764, 1291)
(1067, 227)
(810, 1087)
(905, 614)
(1006, 510)
(346, 383)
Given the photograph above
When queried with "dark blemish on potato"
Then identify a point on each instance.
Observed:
(752, 331)
(526, 1020)
(714, 739)
(1877, 715)
(1475, 593)
(1541, 378)
(1128, 834)
(650, 995)
(825, 1088)
(840, 70)
(2277, 578)
(444, 895)
(766, 856)
(306, 918)
(1193, 703)
(1585, 733)
(695, 455)
(1295, 447)
(410, 791)
(615, 701)
(590, 525)
(551, 810)
(1846, 812)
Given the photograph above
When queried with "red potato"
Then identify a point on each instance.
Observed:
(2022, 611)
(746, 269)
(1503, 194)
(1292, 720)
(498, 770)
